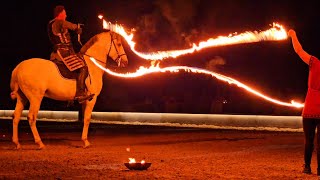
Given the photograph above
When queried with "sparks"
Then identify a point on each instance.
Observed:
(154, 69)
(275, 33)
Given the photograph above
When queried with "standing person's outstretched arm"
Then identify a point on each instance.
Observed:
(298, 48)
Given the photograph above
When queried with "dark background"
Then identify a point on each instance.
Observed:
(271, 67)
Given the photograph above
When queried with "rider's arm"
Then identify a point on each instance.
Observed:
(69, 25)
(59, 26)
(298, 48)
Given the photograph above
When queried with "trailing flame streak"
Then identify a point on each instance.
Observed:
(277, 32)
(153, 69)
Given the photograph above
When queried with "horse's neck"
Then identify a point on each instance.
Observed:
(94, 70)
(94, 50)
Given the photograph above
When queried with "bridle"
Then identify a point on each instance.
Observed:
(118, 58)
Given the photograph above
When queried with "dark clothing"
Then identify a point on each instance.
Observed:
(81, 85)
(309, 128)
(58, 31)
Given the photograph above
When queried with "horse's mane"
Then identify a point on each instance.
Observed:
(88, 44)
(91, 41)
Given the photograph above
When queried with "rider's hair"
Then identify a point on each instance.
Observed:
(57, 10)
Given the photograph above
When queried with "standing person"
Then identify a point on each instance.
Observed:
(58, 31)
(311, 110)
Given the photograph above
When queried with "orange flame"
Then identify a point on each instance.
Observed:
(133, 160)
(275, 33)
(155, 68)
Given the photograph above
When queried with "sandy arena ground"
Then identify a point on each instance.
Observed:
(175, 153)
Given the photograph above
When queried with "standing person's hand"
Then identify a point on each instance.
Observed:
(291, 33)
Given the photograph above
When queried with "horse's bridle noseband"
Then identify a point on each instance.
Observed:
(118, 58)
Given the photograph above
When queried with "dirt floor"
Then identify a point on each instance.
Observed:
(175, 153)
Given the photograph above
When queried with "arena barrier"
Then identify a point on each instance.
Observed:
(218, 121)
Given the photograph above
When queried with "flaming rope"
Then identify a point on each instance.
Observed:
(275, 33)
(154, 69)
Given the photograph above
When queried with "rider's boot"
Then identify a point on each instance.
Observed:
(81, 95)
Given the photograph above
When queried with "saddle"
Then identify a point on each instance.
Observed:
(64, 71)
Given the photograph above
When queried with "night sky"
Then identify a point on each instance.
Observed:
(271, 67)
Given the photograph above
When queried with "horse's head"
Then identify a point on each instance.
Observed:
(106, 44)
(116, 50)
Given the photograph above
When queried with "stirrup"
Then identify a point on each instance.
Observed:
(82, 98)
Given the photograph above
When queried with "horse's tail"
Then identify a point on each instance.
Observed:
(14, 85)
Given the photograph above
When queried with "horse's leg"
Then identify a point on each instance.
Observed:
(35, 103)
(21, 101)
(86, 121)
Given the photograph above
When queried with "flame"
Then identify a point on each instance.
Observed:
(132, 160)
(275, 33)
(156, 68)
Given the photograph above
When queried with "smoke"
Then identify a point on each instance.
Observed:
(170, 24)
(177, 24)
(215, 63)
(179, 13)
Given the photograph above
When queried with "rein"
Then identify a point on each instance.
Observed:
(117, 60)
(95, 59)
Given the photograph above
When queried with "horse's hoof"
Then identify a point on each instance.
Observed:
(86, 144)
(18, 147)
(41, 146)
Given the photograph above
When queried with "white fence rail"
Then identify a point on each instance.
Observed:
(220, 121)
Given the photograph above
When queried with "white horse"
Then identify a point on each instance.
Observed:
(36, 78)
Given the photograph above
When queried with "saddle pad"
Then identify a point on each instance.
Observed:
(73, 62)
(64, 71)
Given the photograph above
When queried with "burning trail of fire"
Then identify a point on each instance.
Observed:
(275, 33)
(154, 69)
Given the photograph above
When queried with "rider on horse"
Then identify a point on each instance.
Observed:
(58, 31)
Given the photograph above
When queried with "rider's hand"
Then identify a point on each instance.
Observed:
(79, 30)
